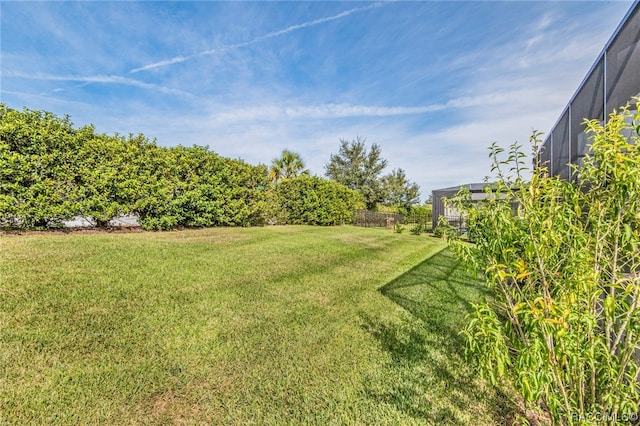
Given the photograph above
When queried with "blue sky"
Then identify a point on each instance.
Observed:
(433, 83)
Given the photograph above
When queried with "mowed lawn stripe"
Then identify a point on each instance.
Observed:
(226, 325)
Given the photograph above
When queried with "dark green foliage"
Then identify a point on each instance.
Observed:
(359, 169)
(195, 187)
(311, 200)
(50, 172)
(424, 212)
(420, 216)
(108, 176)
(288, 165)
(37, 153)
(399, 191)
(417, 229)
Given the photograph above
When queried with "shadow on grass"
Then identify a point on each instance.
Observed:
(431, 378)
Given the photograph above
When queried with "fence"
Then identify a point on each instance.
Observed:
(419, 219)
(368, 218)
(458, 223)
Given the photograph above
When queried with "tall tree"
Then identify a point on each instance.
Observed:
(399, 192)
(359, 169)
(288, 165)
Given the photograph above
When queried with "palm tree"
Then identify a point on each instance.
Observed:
(288, 165)
(276, 170)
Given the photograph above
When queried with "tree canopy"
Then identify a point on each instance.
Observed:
(288, 165)
(399, 191)
(360, 169)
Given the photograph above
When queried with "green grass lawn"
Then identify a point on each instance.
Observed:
(274, 325)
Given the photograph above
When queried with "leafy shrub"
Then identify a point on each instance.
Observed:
(445, 230)
(439, 232)
(417, 229)
(565, 269)
(272, 212)
(51, 172)
(421, 211)
(311, 200)
(37, 182)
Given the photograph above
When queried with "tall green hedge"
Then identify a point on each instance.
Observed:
(37, 168)
(311, 200)
(51, 172)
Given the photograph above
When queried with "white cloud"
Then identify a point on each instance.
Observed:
(317, 112)
(329, 111)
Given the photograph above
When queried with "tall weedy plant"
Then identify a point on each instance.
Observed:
(563, 260)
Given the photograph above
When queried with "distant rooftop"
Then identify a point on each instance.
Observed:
(473, 187)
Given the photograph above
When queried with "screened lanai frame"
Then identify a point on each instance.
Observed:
(611, 82)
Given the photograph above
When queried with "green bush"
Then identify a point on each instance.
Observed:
(398, 228)
(421, 211)
(51, 172)
(417, 229)
(565, 270)
(37, 158)
(311, 200)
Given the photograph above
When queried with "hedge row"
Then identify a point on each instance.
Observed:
(51, 172)
(315, 201)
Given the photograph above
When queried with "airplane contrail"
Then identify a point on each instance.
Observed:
(179, 59)
(100, 79)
